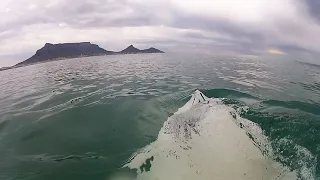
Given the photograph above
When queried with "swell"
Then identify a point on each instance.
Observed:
(301, 106)
(226, 93)
(236, 97)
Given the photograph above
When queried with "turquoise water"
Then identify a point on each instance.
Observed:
(86, 118)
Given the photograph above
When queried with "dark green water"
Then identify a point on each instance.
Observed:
(84, 118)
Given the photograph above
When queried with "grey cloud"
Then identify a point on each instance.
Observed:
(83, 14)
(104, 13)
(314, 8)
(214, 24)
(214, 44)
(87, 13)
(291, 48)
(257, 37)
(97, 13)
(240, 39)
(121, 13)
(8, 34)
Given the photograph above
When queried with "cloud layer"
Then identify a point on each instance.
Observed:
(231, 26)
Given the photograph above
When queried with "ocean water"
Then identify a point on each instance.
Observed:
(161, 116)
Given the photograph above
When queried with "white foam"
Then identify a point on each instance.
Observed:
(207, 140)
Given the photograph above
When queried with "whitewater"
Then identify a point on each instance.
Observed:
(206, 140)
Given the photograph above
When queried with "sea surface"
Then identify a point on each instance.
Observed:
(102, 117)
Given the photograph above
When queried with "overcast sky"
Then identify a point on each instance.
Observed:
(279, 27)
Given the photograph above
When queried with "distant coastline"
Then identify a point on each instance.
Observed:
(54, 52)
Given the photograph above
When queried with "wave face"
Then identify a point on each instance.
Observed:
(207, 138)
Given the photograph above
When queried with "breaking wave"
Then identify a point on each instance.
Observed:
(209, 137)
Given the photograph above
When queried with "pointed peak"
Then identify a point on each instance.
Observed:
(130, 50)
(131, 47)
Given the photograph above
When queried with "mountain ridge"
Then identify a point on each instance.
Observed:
(51, 52)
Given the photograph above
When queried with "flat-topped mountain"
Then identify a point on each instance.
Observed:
(66, 50)
(72, 50)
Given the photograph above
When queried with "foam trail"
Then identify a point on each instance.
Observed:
(206, 140)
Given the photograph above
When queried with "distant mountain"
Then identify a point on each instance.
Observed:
(151, 50)
(72, 50)
(130, 50)
(133, 50)
(66, 50)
